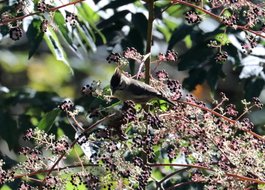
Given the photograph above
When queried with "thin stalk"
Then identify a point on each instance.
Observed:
(149, 40)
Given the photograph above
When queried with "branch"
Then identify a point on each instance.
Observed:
(54, 169)
(217, 17)
(238, 177)
(74, 142)
(223, 117)
(149, 40)
(53, 9)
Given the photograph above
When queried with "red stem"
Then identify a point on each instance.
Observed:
(241, 178)
(6, 21)
(216, 17)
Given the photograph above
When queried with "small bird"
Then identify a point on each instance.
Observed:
(125, 88)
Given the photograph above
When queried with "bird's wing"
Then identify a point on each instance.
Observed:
(143, 89)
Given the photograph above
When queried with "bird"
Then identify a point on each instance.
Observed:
(125, 88)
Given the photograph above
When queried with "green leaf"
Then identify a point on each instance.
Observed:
(34, 35)
(162, 3)
(56, 47)
(47, 121)
(179, 34)
(196, 56)
(60, 21)
(5, 187)
(87, 13)
(85, 34)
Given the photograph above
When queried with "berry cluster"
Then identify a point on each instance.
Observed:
(24, 186)
(145, 174)
(221, 57)
(154, 121)
(231, 110)
(132, 53)
(213, 43)
(162, 75)
(91, 182)
(230, 21)
(5, 175)
(15, 33)
(257, 102)
(114, 57)
(52, 182)
(129, 111)
(251, 43)
(93, 89)
(192, 17)
(42, 6)
(72, 19)
(60, 146)
(66, 105)
(169, 56)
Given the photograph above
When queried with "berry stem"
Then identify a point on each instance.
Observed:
(53, 9)
(239, 177)
(217, 17)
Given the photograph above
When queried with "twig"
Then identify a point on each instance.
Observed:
(216, 17)
(241, 178)
(149, 40)
(6, 21)
(170, 175)
(74, 142)
(55, 169)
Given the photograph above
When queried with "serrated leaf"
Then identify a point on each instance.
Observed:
(34, 35)
(56, 47)
(48, 119)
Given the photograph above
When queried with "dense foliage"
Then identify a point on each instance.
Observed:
(95, 141)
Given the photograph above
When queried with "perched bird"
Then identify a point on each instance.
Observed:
(125, 88)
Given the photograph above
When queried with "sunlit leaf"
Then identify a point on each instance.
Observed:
(86, 12)
(47, 121)
(34, 35)
(60, 21)
(56, 47)
(85, 35)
